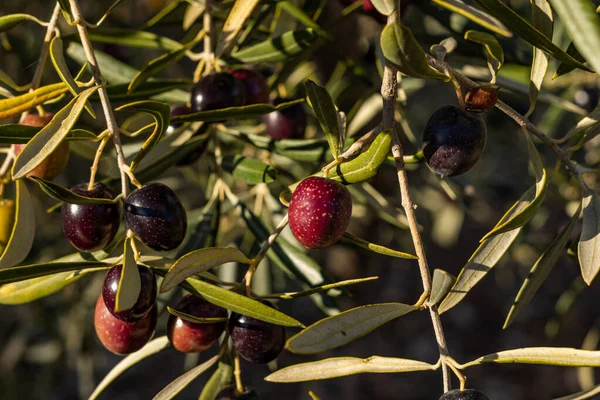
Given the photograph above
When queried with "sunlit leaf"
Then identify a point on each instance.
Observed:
(131, 38)
(475, 15)
(219, 380)
(23, 230)
(130, 283)
(8, 22)
(493, 49)
(588, 248)
(29, 290)
(441, 285)
(543, 20)
(559, 356)
(349, 238)
(176, 386)
(249, 170)
(318, 289)
(21, 134)
(385, 7)
(193, 11)
(278, 48)
(239, 14)
(14, 106)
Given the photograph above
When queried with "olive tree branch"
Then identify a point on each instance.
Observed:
(109, 115)
(39, 70)
(388, 93)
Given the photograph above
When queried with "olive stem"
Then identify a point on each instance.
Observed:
(39, 70)
(455, 368)
(111, 123)
(94, 167)
(207, 22)
(388, 93)
(237, 372)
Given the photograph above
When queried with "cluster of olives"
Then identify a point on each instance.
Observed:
(467, 394)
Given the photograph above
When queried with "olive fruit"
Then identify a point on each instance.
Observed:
(156, 216)
(56, 162)
(7, 222)
(145, 301)
(175, 112)
(216, 91)
(90, 227)
(289, 123)
(256, 341)
(481, 98)
(453, 140)
(255, 86)
(192, 337)
(319, 212)
(122, 337)
(467, 394)
(230, 393)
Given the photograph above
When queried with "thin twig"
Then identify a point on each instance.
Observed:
(388, 92)
(39, 70)
(111, 122)
(94, 167)
(207, 26)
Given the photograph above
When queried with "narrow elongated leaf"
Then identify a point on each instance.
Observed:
(345, 366)
(157, 65)
(161, 114)
(249, 170)
(326, 112)
(295, 149)
(130, 283)
(543, 21)
(280, 48)
(200, 261)
(63, 194)
(490, 43)
(131, 38)
(8, 22)
(302, 17)
(475, 15)
(33, 289)
(239, 14)
(193, 11)
(109, 11)
(23, 272)
(113, 70)
(21, 134)
(219, 380)
(152, 89)
(401, 48)
(49, 137)
(564, 69)
(193, 318)
(323, 288)
(583, 395)
(173, 388)
(164, 12)
(153, 347)
(60, 65)
(236, 113)
(540, 270)
(385, 7)
(518, 25)
(559, 356)
(6, 79)
(583, 26)
(23, 230)
(588, 249)
(349, 238)
(338, 330)
(441, 285)
(241, 304)
(14, 106)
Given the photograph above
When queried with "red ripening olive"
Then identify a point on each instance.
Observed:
(56, 162)
(289, 123)
(231, 393)
(453, 140)
(156, 216)
(122, 337)
(145, 301)
(255, 86)
(216, 91)
(192, 337)
(467, 394)
(90, 227)
(319, 212)
(482, 98)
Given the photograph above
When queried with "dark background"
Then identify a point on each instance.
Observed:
(48, 348)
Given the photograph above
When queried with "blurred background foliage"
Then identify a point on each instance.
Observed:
(48, 348)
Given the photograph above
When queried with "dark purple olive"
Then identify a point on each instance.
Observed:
(230, 393)
(255, 340)
(146, 298)
(156, 217)
(467, 394)
(216, 91)
(122, 337)
(255, 86)
(289, 123)
(90, 227)
(453, 140)
(191, 337)
(175, 112)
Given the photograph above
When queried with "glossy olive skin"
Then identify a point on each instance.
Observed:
(289, 123)
(56, 162)
(453, 140)
(156, 217)
(319, 212)
(90, 227)
(229, 393)
(255, 86)
(122, 337)
(467, 394)
(190, 337)
(256, 341)
(146, 299)
(216, 91)
(175, 112)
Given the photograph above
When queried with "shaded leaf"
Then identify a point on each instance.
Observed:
(14, 106)
(345, 366)
(200, 261)
(493, 49)
(325, 111)
(299, 14)
(63, 194)
(475, 15)
(33, 289)
(21, 134)
(8, 22)
(164, 11)
(23, 230)
(564, 69)
(543, 20)
(157, 65)
(349, 238)
(176, 386)
(130, 283)
(295, 149)
(338, 330)
(193, 318)
(110, 10)
(23, 272)
(243, 112)
(219, 380)
(588, 249)
(148, 89)
(559, 356)
(239, 14)
(113, 70)
(131, 38)
(583, 395)
(441, 285)
(280, 48)
(249, 170)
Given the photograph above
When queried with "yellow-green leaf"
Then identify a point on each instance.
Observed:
(376, 248)
(23, 231)
(193, 318)
(239, 14)
(14, 106)
(543, 20)
(23, 272)
(8, 22)
(219, 380)
(319, 289)
(475, 15)
(584, 394)
(493, 49)
(588, 248)
(441, 285)
(385, 7)
(35, 288)
(130, 283)
(244, 112)
(559, 356)
(132, 38)
(60, 193)
(279, 48)
(249, 170)
(173, 388)
(322, 104)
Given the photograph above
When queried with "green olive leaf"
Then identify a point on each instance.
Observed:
(299, 14)
(249, 170)
(219, 380)
(23, 230)
(8, 22)
(63, 194)
(14, 106)
(199, 261)
(239, 14)
(130, 38)
(276, 49)
(173, 388)
(244, 112)
(564, 69)
(493, 50)
(49, 137)
(113, 70)
(326, 112)
(153, 347)
(193, 318)
(152, 88)
(440, 287)
(164, 11)
(401, 48)
(21, 134)
(23, 272)
(345, 366)
(193, 11)
(385, 7)
(558, 356)
(540, 270)
(588, 249)
(35, 288)
(543, 20)
(319, 289)
(338, 330)
(130, 284)
(6, 79)
(349, 238)
(475, 15)
(583, 395)
(107, 13)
